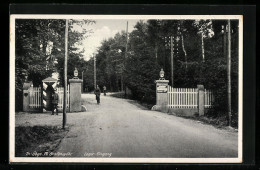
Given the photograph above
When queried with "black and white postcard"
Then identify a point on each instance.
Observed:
(126, 88)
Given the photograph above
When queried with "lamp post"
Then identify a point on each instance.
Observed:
(122, 76)
(122, 70)
(65, 75)
(94, 72)
(229, 73)
(227, 54)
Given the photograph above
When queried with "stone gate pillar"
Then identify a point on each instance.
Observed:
(161, 95)
(75, 95)
(26, 87)
(201, 103)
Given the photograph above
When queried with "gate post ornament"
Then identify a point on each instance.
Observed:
(76, 73)
(162, 75)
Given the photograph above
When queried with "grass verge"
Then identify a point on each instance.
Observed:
(218, 122)
(122, 95)
(37, 140)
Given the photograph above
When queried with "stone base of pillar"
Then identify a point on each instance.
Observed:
(201, 100)
(26, 87)
(161, 96)
(163, 109)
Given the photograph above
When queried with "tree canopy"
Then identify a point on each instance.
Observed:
(39, 50)
(147, 54)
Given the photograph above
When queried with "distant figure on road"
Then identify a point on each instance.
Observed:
(104, 90)
(97, 93)
(55, 98)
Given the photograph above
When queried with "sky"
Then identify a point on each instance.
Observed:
(101, 30)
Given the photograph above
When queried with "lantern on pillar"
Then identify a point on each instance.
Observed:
(76, 73)
(162, 75)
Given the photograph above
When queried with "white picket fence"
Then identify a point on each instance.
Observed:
(208, 98)
(60, 91)
(35, 97)
(187, 98)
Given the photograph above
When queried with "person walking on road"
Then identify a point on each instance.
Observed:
(97, 93)
(104, 90)
(55, 98)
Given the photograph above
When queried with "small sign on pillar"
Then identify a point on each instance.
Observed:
(161, 88)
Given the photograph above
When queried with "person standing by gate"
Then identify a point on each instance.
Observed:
(104, 90)
(55, 98)
(97, 93)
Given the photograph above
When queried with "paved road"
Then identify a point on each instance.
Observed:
(123, 128)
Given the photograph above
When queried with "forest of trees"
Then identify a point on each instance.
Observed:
(199, 59)
(39, 51)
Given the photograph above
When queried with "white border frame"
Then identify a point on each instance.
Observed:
(14, 159)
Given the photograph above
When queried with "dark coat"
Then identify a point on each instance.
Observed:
(55, 98)
(97, 91)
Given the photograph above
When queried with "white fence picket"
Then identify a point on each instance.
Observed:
(208, 98)
(60, 91)
(35, 97)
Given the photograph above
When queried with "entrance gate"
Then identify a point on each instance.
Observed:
(38, 99)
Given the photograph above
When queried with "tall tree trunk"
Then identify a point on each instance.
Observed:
(117, 89)
(156, 52)
(122, 82)
(110, 85)
(183, 48)
(202, 47)
(225, 42)
(126, 50)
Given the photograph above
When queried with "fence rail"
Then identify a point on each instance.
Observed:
(187, 98)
